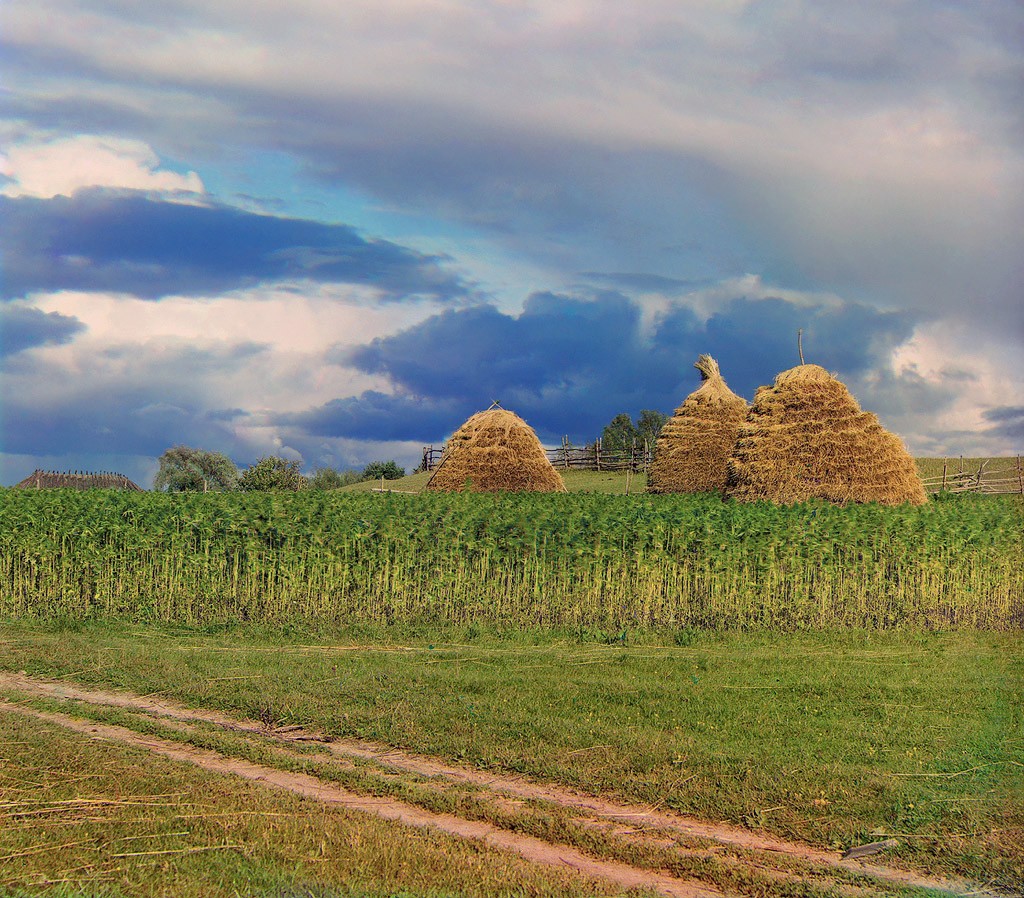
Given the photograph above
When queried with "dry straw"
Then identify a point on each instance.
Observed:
(693, 448)
(76, 480)
(807, 438)
(495, 451)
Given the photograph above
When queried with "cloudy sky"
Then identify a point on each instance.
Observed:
(333, 230)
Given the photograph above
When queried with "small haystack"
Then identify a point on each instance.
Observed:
(495, 451)
(806, 438)
(76, 480)
(693, 448)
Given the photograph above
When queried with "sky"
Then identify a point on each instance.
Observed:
(333, 231)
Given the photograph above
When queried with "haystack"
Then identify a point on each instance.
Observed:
(495, 451)
(76, 480)
(693, 448)
(807, 438)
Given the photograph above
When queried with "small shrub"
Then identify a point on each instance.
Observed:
(331, 479)
(387, 470)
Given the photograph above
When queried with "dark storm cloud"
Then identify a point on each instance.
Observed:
(381, 416)
(758, 338)
(568, 365)
(132, 243)
(23, 328)
(146, 407)
(645, 283)
(1007, 421)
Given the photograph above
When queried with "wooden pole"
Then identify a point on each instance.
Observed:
(944, 465)
(597, 453)
(1020, 476)
(800, 344)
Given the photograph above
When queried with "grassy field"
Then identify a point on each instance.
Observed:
(581, 560)
(616, 482)
(83, 818)
(831, 675)
(836, 739)
(575, 482)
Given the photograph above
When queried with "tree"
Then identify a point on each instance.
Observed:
(649, 425)
(618, 434)
(331, 479)
(184, 469)
(272, 473)
(388, 470)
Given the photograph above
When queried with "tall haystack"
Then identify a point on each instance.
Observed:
(693, 448)
(495, 451)
(807, 438)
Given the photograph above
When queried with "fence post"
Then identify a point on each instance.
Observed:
(944, 464)
(565, 452)
(1020, 476)
(597, 453)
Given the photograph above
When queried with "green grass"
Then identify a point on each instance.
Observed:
(524, 560)
(836, 739)
(575, 482)
(79, 817)
(412, 483)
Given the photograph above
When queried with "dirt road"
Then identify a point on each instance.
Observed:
(639, 846)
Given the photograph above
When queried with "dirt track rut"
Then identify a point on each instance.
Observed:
(632, 822)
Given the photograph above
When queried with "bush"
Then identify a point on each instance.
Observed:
(387, 470)
(331, 479)
(273, 473)
(184, 469)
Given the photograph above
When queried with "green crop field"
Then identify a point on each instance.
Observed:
(821, 673)
(569, 560)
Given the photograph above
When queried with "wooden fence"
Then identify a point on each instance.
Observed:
(1004, 477)
(637, 458)
(992, 476)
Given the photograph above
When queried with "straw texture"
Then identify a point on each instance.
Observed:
(693, 448)
(78, 480)
(806, 437)
(495, 451)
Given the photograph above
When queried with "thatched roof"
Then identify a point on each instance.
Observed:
(495, 451)
(693, 448)
(78, 480)
(806, 437)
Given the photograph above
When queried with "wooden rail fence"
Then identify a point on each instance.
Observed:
(594, 457)
(998, 479)
(1006, 476)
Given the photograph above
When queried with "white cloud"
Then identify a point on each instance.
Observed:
(297, 330)
(945, 378)
(262, 352)
(60, 167)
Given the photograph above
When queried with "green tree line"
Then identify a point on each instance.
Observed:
(187, 469)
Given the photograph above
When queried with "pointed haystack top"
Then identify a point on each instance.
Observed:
(694, 445)
(806, 437)
(495, 451)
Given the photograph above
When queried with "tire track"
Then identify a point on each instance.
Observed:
(527, 847)
(598, 812)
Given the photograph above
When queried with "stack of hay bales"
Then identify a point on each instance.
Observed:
(495, 451)
(807, 438)
(693, 448)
